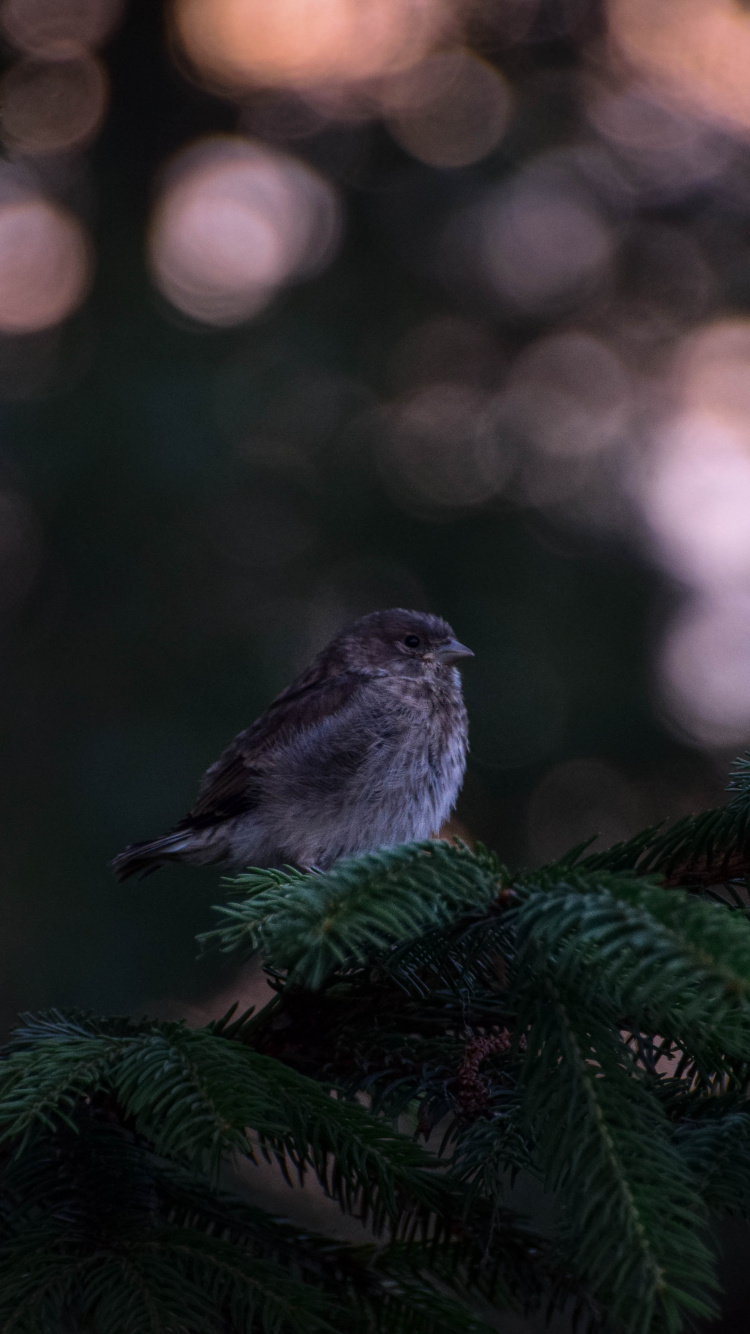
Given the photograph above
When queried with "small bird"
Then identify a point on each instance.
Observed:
(365, 749)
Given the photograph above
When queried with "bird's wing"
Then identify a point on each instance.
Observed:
(233, 785)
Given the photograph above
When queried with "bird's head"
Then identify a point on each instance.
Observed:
(403, 643)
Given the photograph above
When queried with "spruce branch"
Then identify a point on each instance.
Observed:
(163, 1280)
(196, 1097)
(715, 1146)
(660, 957)
(310, 925)
(630, 1219)
(93, 1209)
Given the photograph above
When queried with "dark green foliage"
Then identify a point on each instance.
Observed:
(631, 1221)
(311, 925)
(666, 960)
(98, 1226)
(715, 1145)
(587, 1024)
(192, 1095)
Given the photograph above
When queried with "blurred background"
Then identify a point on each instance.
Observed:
(322, 306)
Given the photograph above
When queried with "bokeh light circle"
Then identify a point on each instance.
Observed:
(704, 670)
(695, 486)
(235, 221)
(438, 451)
(698, 500)
(541, 247)
(304, 43)
(668, 151)
(567, 395)
(44, 265)
(450, 110)
(59, 29)
(50, 106)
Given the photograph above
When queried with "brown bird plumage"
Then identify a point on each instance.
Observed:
(365, 749)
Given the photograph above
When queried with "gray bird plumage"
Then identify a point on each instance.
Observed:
(366, 748)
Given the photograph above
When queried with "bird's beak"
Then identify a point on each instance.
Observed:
(453, 651)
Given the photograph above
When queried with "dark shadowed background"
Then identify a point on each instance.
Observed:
(329, 305)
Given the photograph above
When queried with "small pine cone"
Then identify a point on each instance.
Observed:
(471, 1093)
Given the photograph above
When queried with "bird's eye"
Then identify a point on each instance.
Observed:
(412, 641)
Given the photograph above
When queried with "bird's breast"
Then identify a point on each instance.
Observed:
(419, 748)
(385, 770)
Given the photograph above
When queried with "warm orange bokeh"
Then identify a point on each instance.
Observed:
(697, 49)
(304, 43)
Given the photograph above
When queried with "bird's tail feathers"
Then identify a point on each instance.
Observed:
(142, 858)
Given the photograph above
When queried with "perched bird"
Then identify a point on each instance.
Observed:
(366, 748)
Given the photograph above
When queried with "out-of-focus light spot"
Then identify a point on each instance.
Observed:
(695, 486)
(303, 43)
(44, 265)
(567, 395)
(46, 107)
(577, 488)
(437, 451)
(235, 221)
(540, 247)
(448, 111)
(578, 800)
(713, 370)
(58, 29)
(668, 151)
(697, 500)
(705, 670)
(698, 49)
(694, 491)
